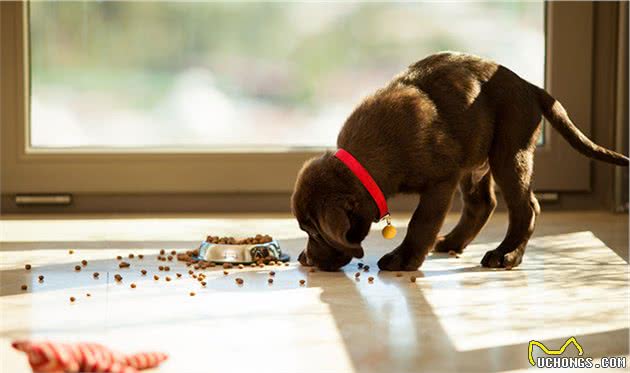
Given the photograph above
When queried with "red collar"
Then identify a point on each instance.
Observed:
(364, 177)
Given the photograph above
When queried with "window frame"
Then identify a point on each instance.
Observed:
(139, 172)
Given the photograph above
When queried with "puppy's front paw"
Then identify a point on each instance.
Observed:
(444, 245)
(497, 259)
(398, 261)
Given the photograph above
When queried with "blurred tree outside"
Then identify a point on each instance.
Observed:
(218, 75)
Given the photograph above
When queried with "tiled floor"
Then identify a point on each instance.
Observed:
(455, 317)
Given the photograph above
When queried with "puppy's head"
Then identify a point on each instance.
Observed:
(326, 204)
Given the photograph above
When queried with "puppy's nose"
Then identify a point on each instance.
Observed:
(304, 259)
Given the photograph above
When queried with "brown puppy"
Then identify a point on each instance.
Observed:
(451, 119)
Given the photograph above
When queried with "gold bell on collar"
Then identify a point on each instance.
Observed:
(389, 231)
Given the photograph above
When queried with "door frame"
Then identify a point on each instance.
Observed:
(134, 173)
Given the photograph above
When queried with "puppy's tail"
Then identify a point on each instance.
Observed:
(559, 119)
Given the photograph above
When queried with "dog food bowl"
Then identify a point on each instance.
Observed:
(249, 253)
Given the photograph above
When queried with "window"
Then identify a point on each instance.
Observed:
(216, 76)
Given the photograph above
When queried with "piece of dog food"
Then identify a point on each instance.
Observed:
(143, 271)
(366, 268)
(270, 280)
(412, 278)
(133, 286)
(77, 268)
(192, 293)
(357, 274)
(72, 299)
(70, 251)
(156, 277)
(167, 268)
(173, 252)
(227, 265)
(123, 265)
(302, 282)
(360, 265)
(119, 257)
(161, 268)
(178, 275)
(370, 279)
(167, 278)
(84, 262)
(95, 274)
(118, 277)
(140, 256)
(88, 295)
(398, 274)
(239, 280)
(41, 278)
(27, 267)
(272, 273)
(24, 287)
(131, 256)
(162, 252)
(286, 264)
(190, 272)
(203, 283)
(170, 258)
(225, 273)
(240, 266)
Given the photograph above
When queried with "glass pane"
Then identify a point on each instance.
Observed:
(244, 75)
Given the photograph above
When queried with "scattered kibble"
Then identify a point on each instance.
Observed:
(156, 277)
(272, 273)
(123, 265)
(398, 274)
(88, 295)
(227, 265)
(170, 258)
(192, 293)
(412, 278)
(286, 264)
(194, 276)
(162, 252)
(95, 274)
(72, 299)
(226, 273)
(27, 267)
(178, 275)
(161, 268)
(253, 265)
(119, 257)
(302, 282)
(70, 252)
(191, 272)
(77, 268)
(167, 268)
(240, 266)
(118, 277)
(133, 286)
(272, 263)
(41, 278)
(357, 274)
(24, 287)
(239, 280)
(131, 256)
(167, 278)
(203, 283)
(140, 256)
(173, 252)
(370, 279)
(270, 280)
(197, 266)
(366, 268)
(360, 265)
(84, 262)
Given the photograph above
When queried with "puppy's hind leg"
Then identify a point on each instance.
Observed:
(477, 191)
(513, 175)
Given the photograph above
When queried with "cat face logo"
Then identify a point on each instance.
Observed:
(552, 352)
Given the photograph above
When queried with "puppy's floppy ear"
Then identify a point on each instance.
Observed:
(344, 230)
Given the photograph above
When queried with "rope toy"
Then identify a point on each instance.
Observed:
(84, 357)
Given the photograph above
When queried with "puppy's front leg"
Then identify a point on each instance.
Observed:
(422, 230)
